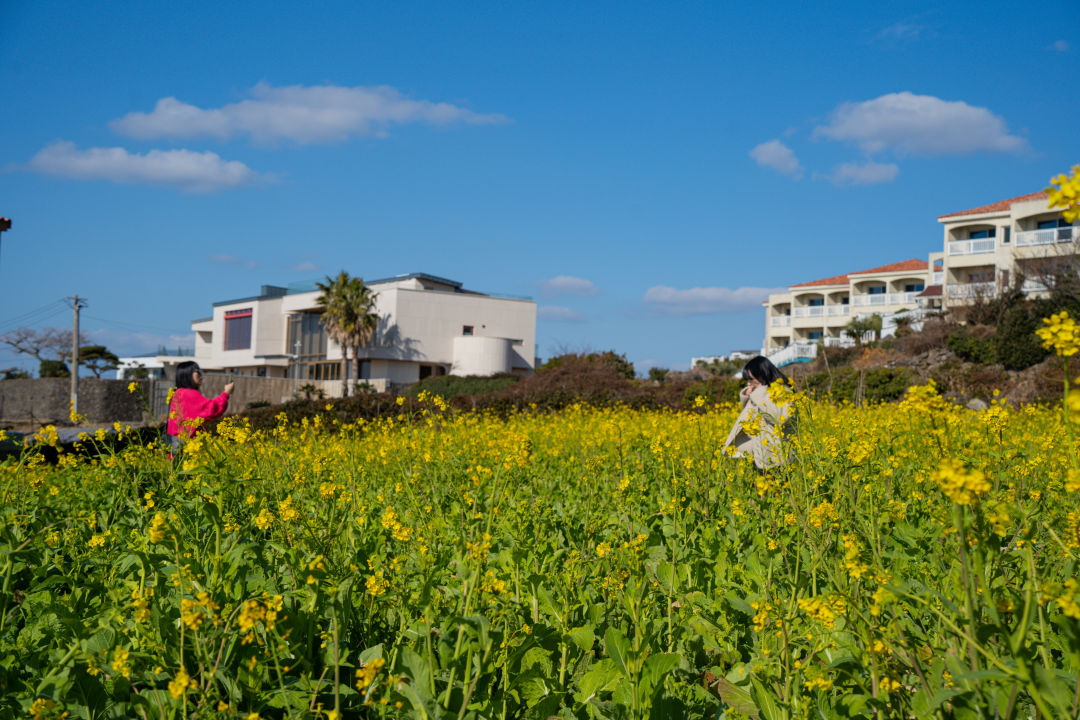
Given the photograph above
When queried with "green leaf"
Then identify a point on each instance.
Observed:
(582, 637)
(618, 649)
(767, 705)
(654, 670)
(416, 667)
(737, 698)
(599, 678)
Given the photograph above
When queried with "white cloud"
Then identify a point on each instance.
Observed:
(921, 124)
(186, 170)
(868, 173)
(557, 313)
(568, 285)
(227, 259)
(778, 156)
(1060, 46)
(305, 266)
(666, 300)
(900, 32)
(324, 113)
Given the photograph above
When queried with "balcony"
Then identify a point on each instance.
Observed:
(780, 321)
(808, 311)
(1049, 236)
(901, 298)
(972, 247)
(967, 291)
(1034, 286)
(937, 278)
(837, 310)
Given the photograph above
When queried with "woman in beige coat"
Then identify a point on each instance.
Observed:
(763, 427)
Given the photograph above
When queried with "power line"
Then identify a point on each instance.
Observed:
(30, 315)
(33, 320)
(127, 325)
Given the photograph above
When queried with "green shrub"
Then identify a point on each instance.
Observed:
(970, 347)
(717, 389)
(451, 386)
(1016, 344)
(53, 369)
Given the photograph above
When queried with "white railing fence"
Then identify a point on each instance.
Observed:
(972, 247)
(1047, 236)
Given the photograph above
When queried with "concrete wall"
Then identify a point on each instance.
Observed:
(47, 400)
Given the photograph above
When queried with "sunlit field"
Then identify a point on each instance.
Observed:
(914, 560)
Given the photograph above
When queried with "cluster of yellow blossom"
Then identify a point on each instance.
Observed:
(264, 519)
(1064, 193)
(194, 612)
(254, 611)
(180, 683)
(961, 485)
(391, 522)
(366, 673)
(287, 511)
(852, 558)
(824, 609)
(140, 601)
(120, 663)
(824, 514)
(376, 584)
(1060, 334)
(159, 527)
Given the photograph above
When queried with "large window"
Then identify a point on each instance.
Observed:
(1047, 224)
(980, 234)
(876, 290)
(914, 287)
(238, 329)
(307, 343)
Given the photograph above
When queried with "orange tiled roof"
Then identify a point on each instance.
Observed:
(998, 206)
(913, 264)
(835, 280)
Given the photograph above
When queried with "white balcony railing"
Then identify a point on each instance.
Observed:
(837, 309)
(972, 247)
(970, 290)
(780, 321)
(904, 298)
(1049, 236)
(808, 311)
(870, 299)
(1034, 286)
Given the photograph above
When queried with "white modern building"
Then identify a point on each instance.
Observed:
(987, 248)
(428, 326)
(161, 364)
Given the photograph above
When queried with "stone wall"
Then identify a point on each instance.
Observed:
(41, 401)
(48, 400)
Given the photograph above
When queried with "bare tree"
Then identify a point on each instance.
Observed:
(44, 344)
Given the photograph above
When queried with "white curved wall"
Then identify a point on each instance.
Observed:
(477, 355)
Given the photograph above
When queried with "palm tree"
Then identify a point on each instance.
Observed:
(347, 314)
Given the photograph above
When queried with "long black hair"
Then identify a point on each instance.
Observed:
(185, 374)
(760, 368)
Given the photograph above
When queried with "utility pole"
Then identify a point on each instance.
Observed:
(77, 304)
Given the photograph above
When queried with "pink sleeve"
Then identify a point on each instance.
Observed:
(213, 409)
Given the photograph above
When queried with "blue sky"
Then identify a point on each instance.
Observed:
(646, 172)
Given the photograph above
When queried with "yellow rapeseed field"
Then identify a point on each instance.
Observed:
(913, 560)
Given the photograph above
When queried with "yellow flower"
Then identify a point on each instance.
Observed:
(1060, 334)
(120, 662)
(178, 685)
(133, 386)
(1066, 195)
(376, 584)
(400, 400)
(961, 485)
(158, 528)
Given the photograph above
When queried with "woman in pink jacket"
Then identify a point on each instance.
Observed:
(189, 409)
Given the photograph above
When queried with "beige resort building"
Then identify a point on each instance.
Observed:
(988, 248)
(428, 326)
(818, 310)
